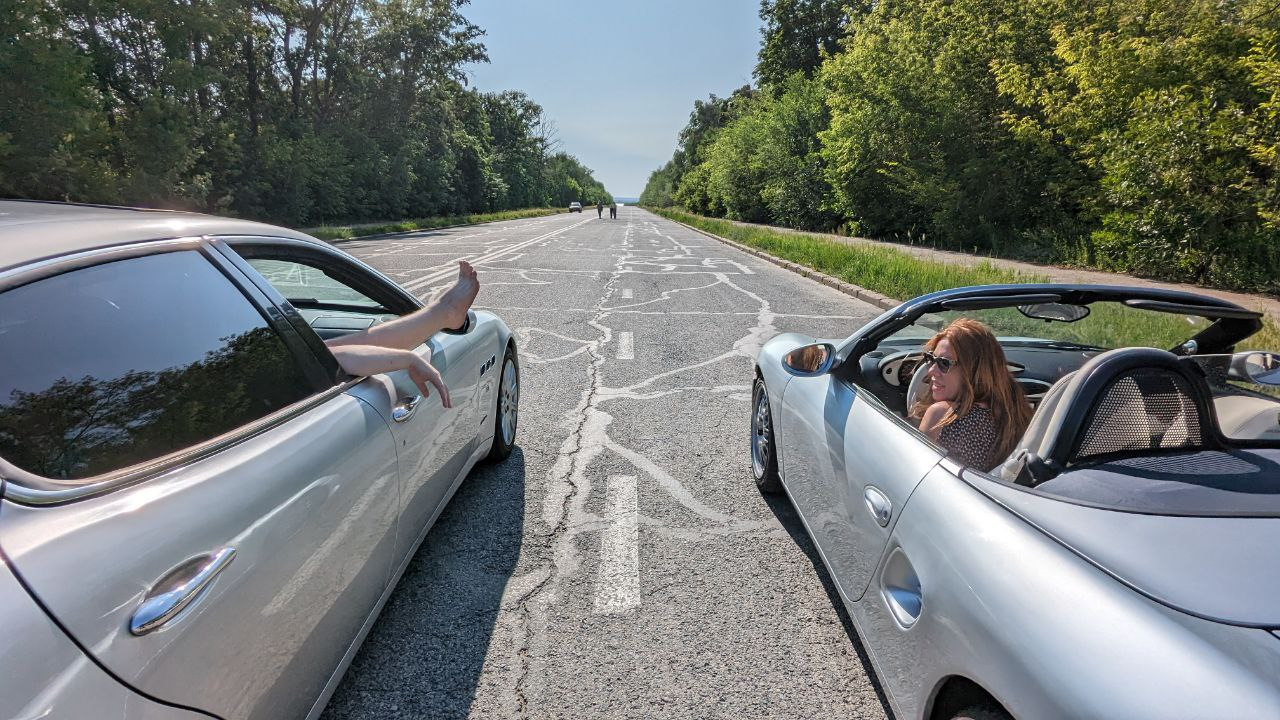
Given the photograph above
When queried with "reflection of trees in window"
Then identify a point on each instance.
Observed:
(85, 427)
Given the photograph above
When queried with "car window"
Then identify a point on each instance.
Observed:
(308, 286)
(125, 362)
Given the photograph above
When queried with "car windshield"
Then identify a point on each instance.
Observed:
(1108, 325)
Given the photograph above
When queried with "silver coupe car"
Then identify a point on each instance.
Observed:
(202, 515)
(1122, 562)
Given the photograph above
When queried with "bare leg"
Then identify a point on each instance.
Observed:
(448, 310)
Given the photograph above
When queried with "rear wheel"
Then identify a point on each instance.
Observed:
(764, 456)
(507, 410)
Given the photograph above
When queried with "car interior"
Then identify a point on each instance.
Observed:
(332, 303)
(1137, 428)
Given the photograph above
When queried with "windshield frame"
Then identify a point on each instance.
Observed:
(1229, 323)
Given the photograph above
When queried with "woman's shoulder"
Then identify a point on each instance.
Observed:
(938, 409)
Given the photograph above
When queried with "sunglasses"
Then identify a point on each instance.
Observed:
(943, 364)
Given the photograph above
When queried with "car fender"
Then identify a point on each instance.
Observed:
(1044, 632)
(769, 367)
(492, 331)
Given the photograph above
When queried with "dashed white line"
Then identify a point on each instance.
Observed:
(626, 346)
(618, 582)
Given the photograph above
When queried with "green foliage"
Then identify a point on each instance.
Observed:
(299, 113)
(1165, 106)
(766, 165)
(797, 34)
(1141, 136)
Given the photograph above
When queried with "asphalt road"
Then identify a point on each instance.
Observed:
(621, 563)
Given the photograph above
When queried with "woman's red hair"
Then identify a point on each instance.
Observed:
(985, 379)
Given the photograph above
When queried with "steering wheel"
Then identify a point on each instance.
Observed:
(918, 384)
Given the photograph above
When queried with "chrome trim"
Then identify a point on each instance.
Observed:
(47, 267)
(31, 489)
(157, 610)
(405, 409)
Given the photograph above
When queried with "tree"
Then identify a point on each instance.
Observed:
(798, 34)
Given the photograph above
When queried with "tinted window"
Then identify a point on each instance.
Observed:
(125, 362)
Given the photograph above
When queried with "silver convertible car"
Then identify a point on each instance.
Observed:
(1122, 562)
(202, 515)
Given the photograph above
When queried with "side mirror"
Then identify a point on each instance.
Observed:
(810, 360)
(1260, 367)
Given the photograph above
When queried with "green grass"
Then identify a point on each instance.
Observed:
(344, 232)
(900, 275)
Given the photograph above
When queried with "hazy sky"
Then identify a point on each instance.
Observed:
(618, 78)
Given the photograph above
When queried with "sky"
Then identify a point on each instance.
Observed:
(617, 78)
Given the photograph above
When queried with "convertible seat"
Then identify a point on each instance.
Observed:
(1126, 402)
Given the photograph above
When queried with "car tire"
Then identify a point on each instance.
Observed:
(506, 413)
(981, 712)
(764, 452)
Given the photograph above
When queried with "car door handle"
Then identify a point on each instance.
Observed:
(175, 591)
(878, 504)
(405, 408)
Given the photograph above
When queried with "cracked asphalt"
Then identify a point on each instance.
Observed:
(621, 563)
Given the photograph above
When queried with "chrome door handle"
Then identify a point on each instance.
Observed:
(175, 591)
(878, 504)
(405, 408)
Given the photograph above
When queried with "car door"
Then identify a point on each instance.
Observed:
(336, 295)
(185, 496)
(849, 466)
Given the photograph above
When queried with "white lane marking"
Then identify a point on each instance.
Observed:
(626, 346)
(628, 293)
(618, 583)
(445, 272)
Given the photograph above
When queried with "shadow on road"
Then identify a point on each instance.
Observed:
(425, 654)
(781, 506)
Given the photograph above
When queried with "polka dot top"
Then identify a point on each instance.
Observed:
(971, 440)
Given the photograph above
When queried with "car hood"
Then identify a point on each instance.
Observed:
(1217, 568)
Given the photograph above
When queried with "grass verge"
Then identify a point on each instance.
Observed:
(900, 275)
(345, 232)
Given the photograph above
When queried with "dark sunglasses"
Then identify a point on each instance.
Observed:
(943, 364)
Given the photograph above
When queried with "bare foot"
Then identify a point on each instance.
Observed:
(456, 300)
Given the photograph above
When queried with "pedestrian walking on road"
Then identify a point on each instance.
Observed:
(613, 210)
(600, 209)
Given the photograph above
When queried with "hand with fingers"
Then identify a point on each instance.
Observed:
(360, 360)
(424, 375)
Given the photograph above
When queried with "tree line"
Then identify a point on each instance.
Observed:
(300, 112)
(1141, 135)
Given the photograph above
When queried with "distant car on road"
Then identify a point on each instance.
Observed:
(1120, 562)
(193, 492)
(575, 206)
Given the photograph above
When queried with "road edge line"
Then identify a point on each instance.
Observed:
(860, 293)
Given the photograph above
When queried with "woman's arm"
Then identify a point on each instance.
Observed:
(932, 416)
(363, 360)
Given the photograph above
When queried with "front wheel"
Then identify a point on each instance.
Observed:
(764, 455)
(507, 408)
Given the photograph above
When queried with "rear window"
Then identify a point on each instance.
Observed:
(121, 363)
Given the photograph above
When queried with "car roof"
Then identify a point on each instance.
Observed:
(32, 230)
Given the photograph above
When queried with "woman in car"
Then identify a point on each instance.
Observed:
(971, 406)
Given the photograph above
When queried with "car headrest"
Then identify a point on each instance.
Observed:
(1131, 401)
